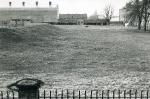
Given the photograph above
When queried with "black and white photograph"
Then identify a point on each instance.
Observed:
(74, 49)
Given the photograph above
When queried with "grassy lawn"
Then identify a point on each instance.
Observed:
(76, 57)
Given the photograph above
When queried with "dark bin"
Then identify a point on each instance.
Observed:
(27, 88)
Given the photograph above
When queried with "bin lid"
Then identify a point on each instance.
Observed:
(25, 84)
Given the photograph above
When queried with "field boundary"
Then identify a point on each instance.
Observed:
(83, 94)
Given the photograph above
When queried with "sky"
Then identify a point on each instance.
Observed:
(72, 6)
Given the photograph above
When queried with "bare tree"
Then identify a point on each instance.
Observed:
(146, 4)
(138, 10)
(135, 10)
(108, 12)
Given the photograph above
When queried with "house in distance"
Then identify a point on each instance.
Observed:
(72, 19)
(22, 15)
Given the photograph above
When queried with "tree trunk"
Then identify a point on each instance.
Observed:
(145, 20)
(139, 14)
(139, 24)
(145, 3)
(145, 24)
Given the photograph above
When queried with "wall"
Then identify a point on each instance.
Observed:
(37, 15)
(73, 16)
(71, 19)
(122, 15)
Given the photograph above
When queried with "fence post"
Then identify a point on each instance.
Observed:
(147, 93)
(135, 94)
(114, 94)
(85, 94)
(141, 94)
(79, 94)
(102, 94)
(62, 94)
(56, 94)
(124, 94)
(97, 94)
(50, 96)
(73, 94)
(7, 95)
(13, 95)
(91, 94)
(38, 93)
(1, 95)
(44, 94)
(107, 94)
(130, 94)
(118, 94)
(67, 94)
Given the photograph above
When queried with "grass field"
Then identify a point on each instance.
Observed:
(76, 57)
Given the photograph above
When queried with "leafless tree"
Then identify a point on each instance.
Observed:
(146, 4)
(108, 11)
(138, 10)
(135, 10)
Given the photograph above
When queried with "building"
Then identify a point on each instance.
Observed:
(96, 19)
(22, 15)
(77, 19)
(115, 20)
(97, 22)
(123, 15)
(72, 19)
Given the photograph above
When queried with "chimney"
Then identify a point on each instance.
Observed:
(23, 4)
(37, 3)
(50, 3)
(10, 3)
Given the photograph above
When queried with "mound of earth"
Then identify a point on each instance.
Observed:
(26, 37)
(25, 48)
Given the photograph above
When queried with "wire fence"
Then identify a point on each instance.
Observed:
(83, 94)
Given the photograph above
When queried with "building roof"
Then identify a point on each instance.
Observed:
(37, 8)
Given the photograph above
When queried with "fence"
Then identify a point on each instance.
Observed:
(81, 94)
